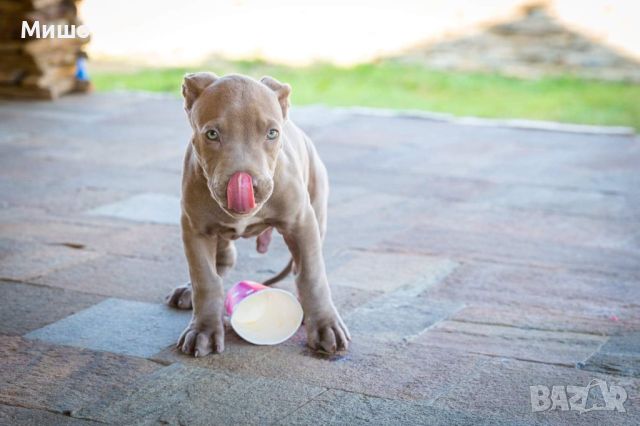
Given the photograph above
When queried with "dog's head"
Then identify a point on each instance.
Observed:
(237, 124)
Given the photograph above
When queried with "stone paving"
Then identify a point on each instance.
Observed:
(470, 263)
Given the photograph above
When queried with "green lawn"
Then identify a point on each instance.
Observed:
(407, 86)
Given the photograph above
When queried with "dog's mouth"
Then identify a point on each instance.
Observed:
(240, 196)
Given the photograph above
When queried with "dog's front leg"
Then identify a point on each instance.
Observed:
(205, 333)
(325, 328)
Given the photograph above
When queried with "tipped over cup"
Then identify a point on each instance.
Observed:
(262, 315)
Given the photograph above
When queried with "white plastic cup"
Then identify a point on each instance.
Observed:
(262, 315)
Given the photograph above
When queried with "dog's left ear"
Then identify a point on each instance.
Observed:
(193, 85)
(282, 91)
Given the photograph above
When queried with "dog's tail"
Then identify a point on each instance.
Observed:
(281, 275)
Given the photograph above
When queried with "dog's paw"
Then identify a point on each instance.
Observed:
(200, 339)
(327, 333)
(180, 297)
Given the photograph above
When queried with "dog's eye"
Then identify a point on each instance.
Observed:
(273, 133)
(212, 135)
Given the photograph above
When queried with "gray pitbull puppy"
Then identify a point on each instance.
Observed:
(247, 170)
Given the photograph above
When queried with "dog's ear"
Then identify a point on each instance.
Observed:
(282, 90)
(193, 85)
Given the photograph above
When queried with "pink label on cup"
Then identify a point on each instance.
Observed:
(239, 292)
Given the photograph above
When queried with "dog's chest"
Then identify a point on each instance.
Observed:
(245, 227)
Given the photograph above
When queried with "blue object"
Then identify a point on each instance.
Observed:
(81, 70)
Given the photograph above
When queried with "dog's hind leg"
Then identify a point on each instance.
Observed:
(225, 256)
(180, 297)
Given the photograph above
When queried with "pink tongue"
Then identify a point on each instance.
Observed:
(240, 193)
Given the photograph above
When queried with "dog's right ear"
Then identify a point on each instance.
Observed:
(193, 85)
(282, 92)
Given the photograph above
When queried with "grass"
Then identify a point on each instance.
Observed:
(410, 86)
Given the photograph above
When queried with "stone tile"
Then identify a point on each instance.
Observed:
(345, 408)
(398, 371)
(620, 364)
(627, 343)
(316, 118)
(553, 227)
(16, 214)
(121, 276)
(389, 188)
(497, 247)
(619, 356)
(553, 347)
(358, 205)
(388, 271)
(571, 292)
(547, 318)
(343, 193)
(423, 185)
(399, 315)
(90, 109)
(27, 307)
(346, 299)
(369, 219)
(18, 416)
(501, 154)
(238, 355)
(116, 149)
(594, 204)
(118, 326)
(9, 247)
(50, 230)
(60, 379)
(181, 394)
(500, 388)
(95, 234)
(31, 260)
(71, 186)
(142, 240)
(149, 207)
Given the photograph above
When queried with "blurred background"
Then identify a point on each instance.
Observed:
(342, 31)
(563, 60)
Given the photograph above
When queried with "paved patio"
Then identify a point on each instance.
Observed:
(470, 263)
